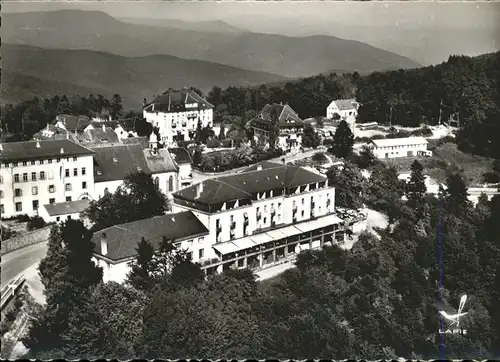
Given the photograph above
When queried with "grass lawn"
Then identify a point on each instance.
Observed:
(448, 158)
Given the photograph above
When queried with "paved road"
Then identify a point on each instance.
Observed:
(19, 261)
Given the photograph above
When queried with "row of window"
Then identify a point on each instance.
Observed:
(51, 189)
(34, 203)
(39, 162)
(17, 177)
(397, 147)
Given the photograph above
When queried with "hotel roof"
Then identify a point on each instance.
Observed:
(123, 239)
(68, 207)
(174, 100)
(34, 150)
(244, 185)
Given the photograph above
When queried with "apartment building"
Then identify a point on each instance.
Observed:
(289, 124)
(400, 147)
(176, 114)
(36, 173)
(265, 214)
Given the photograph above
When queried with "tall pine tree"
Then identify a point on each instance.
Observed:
(343, 141)
(416, 189)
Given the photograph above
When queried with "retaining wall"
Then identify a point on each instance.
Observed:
(17, 242)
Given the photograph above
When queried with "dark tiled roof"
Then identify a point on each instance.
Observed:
(287, 116)
(246, 184)
(346, 104)
(19, 151)
(123, 239)
(180, 155)
(69, 207)
(175, 101)
(115, 162)
(74, 123)
(143, 141)
(99, 124)
(162, 162)
(263, 166)
(100, 135)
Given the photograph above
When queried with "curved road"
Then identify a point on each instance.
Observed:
(16, 262)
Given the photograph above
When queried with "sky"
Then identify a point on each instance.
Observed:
(415, 13)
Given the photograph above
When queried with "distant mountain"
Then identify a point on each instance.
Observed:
(277, 54)
(216, 26)
(30, 71)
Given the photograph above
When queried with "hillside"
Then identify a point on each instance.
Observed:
(45, 72)
(216, 26)
(277, 54)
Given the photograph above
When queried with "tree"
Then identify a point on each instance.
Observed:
(273, 128)
(143, 128)
(138, 198)
(343, 141)
(456, 195)
(320, 123)
(68, 274)
(116, 106)
(415, 188)
(140, 275)
(365, 159)
(197, 157)
(349, 183)
(222, 133)
(310, 138)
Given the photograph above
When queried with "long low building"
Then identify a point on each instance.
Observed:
(400, 147)
(63, 211)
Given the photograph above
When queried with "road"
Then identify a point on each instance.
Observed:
(16, 262)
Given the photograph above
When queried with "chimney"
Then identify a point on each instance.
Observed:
(37, 144)
(259, 167)
(173, 218)
(199, 189)
(62, 150)
(144, 102)
(104, 244)
(103, 128)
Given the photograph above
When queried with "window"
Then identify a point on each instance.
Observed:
(157, 182)
(33, 176)
(303, 201)
(42, 175)
(2, 209)
(1, 179)
(52, 189)
(35, 205)
(16, 177)
(83, 171)
(302, 213)
(25, 177)
(84, 185)
(74, 159)
(19, 206)
(201, 253)
(58, 160)
(1, 194)
(75, 172)
(68, 198)
(41, 162)
(171, 183)
(50, 161)
(18, 192)
(25, 163)
(67, 187)
(34, 190)
(190, 255)
(52, 201)
(32, 163)
(58, 218)
(66, 172)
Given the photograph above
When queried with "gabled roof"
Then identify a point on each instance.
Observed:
(345, 104)
(34, 150)
(161, 162)
(74, 123)
(57, 134)
(388, 142)
(99, 135)
(287, 117)
(142, 141)
(180, 156)
(115, 162)
(123, 239)
(68, 207)
(106, 123)
(248, 183)
(175, 101)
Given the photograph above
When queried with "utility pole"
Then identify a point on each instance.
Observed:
(390, 117)
(440, 111)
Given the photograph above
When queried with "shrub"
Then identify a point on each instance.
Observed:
(34, 223)
(7, 233)
(491, 177)
(319, 157)
(213, 143)
(11, 315)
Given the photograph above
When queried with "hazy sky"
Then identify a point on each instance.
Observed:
(418, 14)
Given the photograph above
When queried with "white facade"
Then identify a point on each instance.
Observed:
(288, 139)
(344, 108)
(27, 185)
(400, 147)
(178, 124)
(288, 210)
